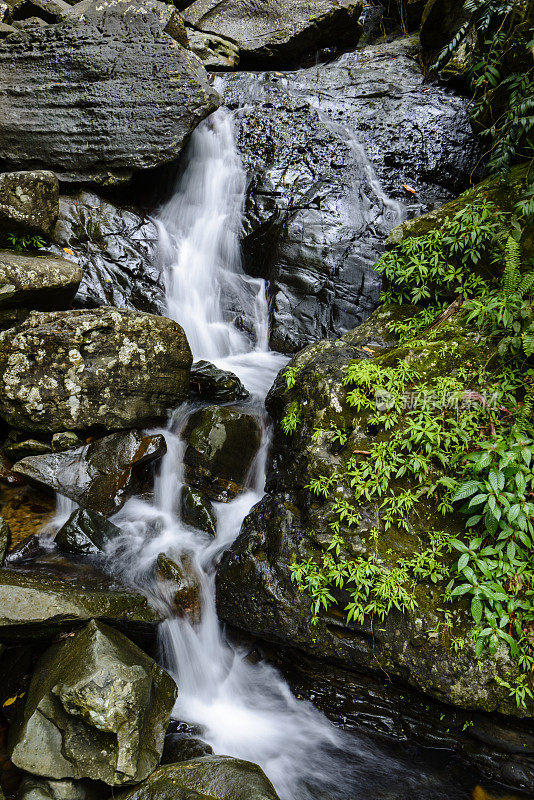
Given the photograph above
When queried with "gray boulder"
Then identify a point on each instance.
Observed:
(85, 533)
(207, 778)
(278, 33)
(97, 707)
(80, 123)
(99, 476)
(37, 282)
(29, 202)
(105, 367)
(215, 52)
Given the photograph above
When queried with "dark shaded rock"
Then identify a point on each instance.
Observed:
(208, 778)
(216, 385)
(97, 707)
(329, 151)
(15, 671)
(65, 440)
(29, 24)
(6, 475)
(182, 584)
(26, 550)
(100, 476)
(85, 533)
(48, 10)
(34, 788)
(278, 33)
(38, 605)
(222, 443)
(116, 248)
(214, 51)
(80, 124)
(29, 201)
(18, 448)
(43, 282)
(179, 747)
(441, 20)
(78, 369)
(197, 511)
(5, 539)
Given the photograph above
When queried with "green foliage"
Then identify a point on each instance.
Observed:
(290, 376)
(22, 244)
(292, 418)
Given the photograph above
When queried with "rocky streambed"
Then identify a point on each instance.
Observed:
(164, 265)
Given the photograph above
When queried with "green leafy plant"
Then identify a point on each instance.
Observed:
(22, 244)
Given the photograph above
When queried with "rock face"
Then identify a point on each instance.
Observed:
(29, 202)
(278, 33)
(254, 587)
(78, 369)
(39, 282)
(68, 92)
(116, 248)
(208, 778)
(97, 707)
(214, 51)
(85, 533)
(99, 476)
(222, 443)
(40, 605)
(327, 183)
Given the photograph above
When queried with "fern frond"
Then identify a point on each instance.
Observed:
(512, 270)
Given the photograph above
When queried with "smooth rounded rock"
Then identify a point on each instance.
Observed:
(37, 281)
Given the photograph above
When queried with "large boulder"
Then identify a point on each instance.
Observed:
(207, 778)
(29, 202)
(278, 33)
(100, 476)
(41, 604)
(37, 282)
(116, 248)
(68, 92)
(106, 367)
(332, 172)
(97, 707)
(221, 445)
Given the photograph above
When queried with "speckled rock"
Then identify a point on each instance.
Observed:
(97, 707)
(99, 476)
(214, 51)
(277, 33)
(37, 282)
(80, 123)
(29, 202)
(105, 367)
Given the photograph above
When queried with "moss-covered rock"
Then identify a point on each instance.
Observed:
(37, 281)
(29, 202)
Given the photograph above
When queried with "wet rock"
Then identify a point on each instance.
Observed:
(208, 778)
(26, 550)
(182, 584)
(197, 511)
(41, 282)
(279, 34)
(97, 707)
(326, 184)
(85, 533)
(222, 443)
(35, 788)
(441, 20)
(215, 52)
(18, 448)
(116, 248)
(5, 539)
(65, 440)
(80, 124)
(216, 385)
(179, 747)
(78, 369)
(99, 476)
(6, 475)
(39, 604)
(29, 202)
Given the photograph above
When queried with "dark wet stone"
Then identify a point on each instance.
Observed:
(105, 367)
(17, 450)
(208, 778)
(5, 539)
(97, 707)
(35, 788)
(180, 584)
(100, 476)
(25, 550)
(65, 440)
(29, 201)
(222, 442)
(215, 385)
(197, 511)
(179, 747)
(85, 533)
(81, 124)
(37, 281)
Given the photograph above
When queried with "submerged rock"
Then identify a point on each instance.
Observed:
(37, 281)
(78, 369)
(116, 247)
(80, 122)
(208, 778)
(216, 385)
(222, 443)
(85, 533)
(197, 511)
(99, 476)
(329, 151)
(279, 33)
(29, 202)
(182, 584)
(97, 707)
(39, 604)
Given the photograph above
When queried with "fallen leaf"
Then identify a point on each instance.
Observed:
(69, 251)
(9, 701)
(409, 188)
